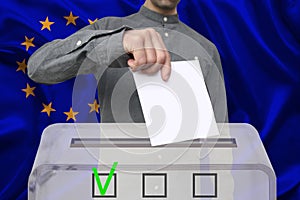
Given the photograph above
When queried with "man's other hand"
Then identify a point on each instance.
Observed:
(149, 52)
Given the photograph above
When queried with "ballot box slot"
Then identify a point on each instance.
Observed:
(145, 143)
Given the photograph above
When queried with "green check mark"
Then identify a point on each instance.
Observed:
(103, 190)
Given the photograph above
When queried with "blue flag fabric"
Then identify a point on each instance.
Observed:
(259, 44)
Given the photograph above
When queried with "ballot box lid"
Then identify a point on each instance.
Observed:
(92, 144)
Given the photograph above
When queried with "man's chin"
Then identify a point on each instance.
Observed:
(165, 4)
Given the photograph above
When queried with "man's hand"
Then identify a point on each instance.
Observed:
(149, 52)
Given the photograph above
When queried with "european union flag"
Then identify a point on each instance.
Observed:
(259, 43)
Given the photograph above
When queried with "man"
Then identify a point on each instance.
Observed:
(146, 41)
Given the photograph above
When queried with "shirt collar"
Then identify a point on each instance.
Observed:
(166, 19)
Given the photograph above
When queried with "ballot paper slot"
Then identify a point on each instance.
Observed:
(145, 143)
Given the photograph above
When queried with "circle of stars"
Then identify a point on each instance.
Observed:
(22, 66)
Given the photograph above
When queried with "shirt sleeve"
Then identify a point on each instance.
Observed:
(89, 50)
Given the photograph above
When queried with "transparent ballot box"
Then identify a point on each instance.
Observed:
(117, 161)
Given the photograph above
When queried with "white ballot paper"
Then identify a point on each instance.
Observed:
(179, 109)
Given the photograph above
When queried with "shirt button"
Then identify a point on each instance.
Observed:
(78, 43)
(165, 19)
(166, 34)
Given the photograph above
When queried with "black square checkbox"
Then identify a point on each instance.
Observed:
(111, 190)
(205, 185)
(154, 185)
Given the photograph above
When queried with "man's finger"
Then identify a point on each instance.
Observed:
(166, 72)
(149, 48)
(152, 69)
(159, 47)
(163, 57)
(139, 59)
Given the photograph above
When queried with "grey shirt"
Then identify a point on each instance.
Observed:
(98, 49)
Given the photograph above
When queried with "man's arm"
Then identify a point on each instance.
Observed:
(61, 59)
(91, 51)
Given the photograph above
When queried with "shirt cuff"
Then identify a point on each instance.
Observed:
(115, 48)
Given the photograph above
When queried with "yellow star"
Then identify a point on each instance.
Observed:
(71, 114)
(29, 91)
(22, 66)
(94, 106)
(46, 24)
(48, 109)
(92, 22)
(71, 19)
(28, 43)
